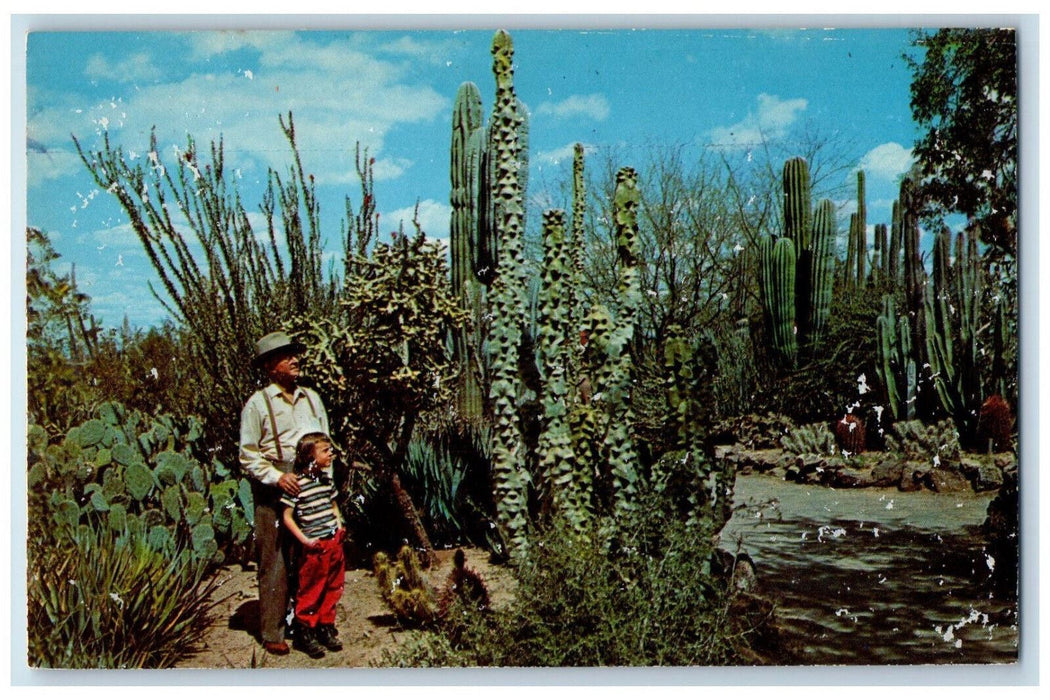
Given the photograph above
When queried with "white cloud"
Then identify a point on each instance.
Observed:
(593, 106)
(771, 118)
(338, 95)
(433, 218)
(887, 161)
(555, 156)
(136, 67)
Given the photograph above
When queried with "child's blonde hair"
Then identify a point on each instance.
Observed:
(306, 449)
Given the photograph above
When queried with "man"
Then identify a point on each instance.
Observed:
(272, 421)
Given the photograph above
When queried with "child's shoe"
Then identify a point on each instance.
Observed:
(306, 641)
(329, 637)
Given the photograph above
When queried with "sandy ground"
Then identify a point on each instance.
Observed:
(366, 626)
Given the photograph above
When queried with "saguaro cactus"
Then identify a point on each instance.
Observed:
(463, 242)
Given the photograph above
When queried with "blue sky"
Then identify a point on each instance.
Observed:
(392, 91)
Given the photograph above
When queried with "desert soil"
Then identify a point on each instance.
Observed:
(366, 626)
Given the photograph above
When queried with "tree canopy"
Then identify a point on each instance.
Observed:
(964, 97)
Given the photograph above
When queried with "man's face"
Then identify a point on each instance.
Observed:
(283, 367)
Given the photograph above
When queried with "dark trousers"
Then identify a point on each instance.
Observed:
(322, 573)
(270, 541)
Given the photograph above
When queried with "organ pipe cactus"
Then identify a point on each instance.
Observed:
(897, 368)
(796, 270)
(510, 476)
(778, 294)
(952, 322)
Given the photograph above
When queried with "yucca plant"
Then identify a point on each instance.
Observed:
(98, 598)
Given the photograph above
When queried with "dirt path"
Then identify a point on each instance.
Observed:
(366, 627)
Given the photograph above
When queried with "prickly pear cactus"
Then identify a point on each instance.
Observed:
(123, 467)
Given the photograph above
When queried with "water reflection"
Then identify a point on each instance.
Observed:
(875, 576)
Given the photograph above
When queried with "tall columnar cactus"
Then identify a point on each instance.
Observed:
(778, 294)
(463, 230)
(861, 230)
(463, 241)
(952, 322)
(510, 476)
(821, 271)
(796, 270)
(892, 262)
(914, 271)
(576, 246)
(621, 449)
(897, 369)
(798, 215)
(557, 460)
(880, 258)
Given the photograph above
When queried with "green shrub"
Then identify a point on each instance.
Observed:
(638, 592)
(102, 598)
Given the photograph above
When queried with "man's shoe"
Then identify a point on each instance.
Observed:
(276, 648)
(329, 637)
(306, 641)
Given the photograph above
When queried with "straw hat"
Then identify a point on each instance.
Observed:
(273, 342)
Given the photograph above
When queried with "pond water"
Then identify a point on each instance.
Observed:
(875, 576)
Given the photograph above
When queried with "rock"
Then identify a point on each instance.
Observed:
(946, 481)
(982, 474)
(887, 472)
(850, 477)
(912, 476)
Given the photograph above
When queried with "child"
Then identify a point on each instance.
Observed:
(313, 518)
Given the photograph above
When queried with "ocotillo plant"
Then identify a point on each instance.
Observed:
(509, 473)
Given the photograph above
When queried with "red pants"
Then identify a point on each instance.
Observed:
(321, 575)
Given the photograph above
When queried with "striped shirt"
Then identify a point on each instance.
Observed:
(312, 508)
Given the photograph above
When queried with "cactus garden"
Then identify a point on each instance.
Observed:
(562, 423)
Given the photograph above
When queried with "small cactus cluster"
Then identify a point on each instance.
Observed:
(918, 440)
(123, 469)
(404, 589)
(796, 269)
(813, 439)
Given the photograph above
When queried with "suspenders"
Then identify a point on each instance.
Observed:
(273, 419)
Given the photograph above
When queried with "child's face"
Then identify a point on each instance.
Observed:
(324, 453)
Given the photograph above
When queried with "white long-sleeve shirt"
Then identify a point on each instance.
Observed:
(259, 455)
